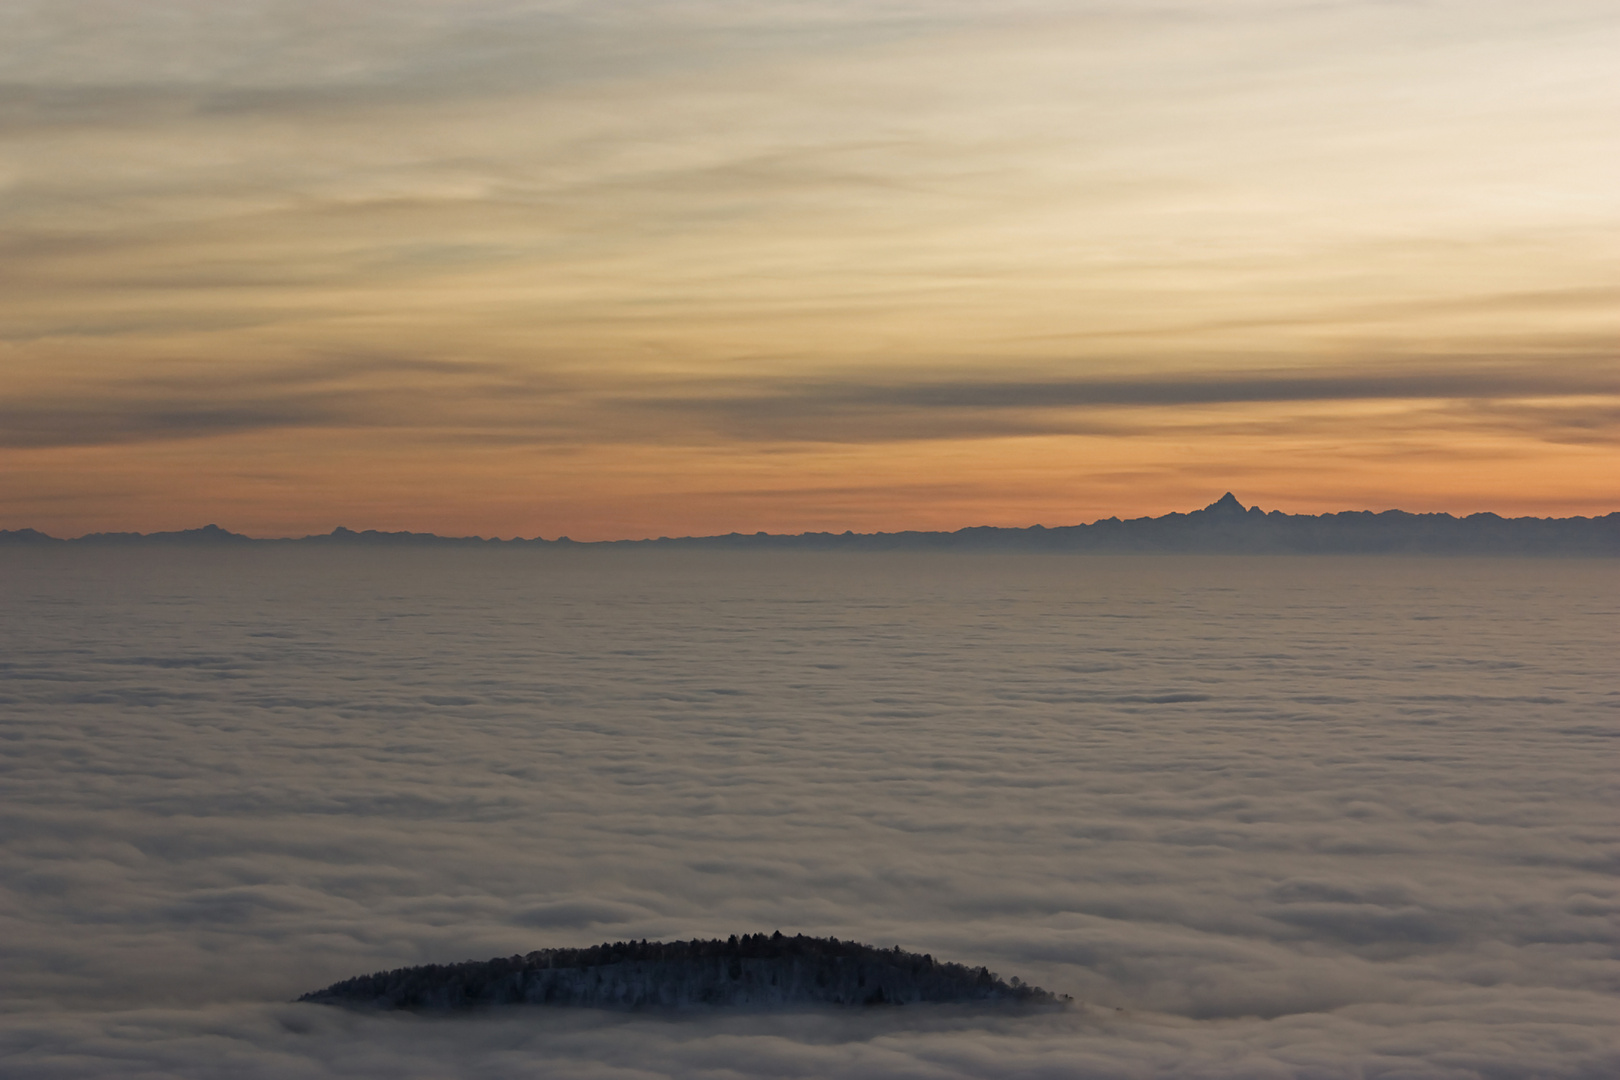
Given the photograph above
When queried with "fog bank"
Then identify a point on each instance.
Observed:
(1262, 817)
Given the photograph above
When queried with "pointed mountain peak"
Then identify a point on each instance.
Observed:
(207, 534)
(1226, 504)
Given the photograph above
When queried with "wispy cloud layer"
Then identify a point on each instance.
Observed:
(503, 403)
(823, 211)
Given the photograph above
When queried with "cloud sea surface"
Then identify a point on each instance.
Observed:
(1286, 817)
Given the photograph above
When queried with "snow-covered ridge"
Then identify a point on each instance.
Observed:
(753, 971)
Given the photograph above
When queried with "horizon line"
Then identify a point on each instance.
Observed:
(1226, 506)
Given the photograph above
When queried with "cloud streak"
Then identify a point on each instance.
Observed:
(1179, 388)
(506, 403)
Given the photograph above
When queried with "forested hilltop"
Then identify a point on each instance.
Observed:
(753, 971)
(1225, 526)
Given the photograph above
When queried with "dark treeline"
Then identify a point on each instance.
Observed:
(755, 970)
(1224, 527)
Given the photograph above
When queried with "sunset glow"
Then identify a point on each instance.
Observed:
(625, 269)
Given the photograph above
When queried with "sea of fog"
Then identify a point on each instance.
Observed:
(1262, 817)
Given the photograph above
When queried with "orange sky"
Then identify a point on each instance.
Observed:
(626, 269)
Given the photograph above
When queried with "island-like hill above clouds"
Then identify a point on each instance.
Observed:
(755, 971)
(1225, 526)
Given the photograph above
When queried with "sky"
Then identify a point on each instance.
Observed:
(623, 269)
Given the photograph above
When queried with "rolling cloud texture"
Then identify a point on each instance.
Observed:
(1285, 817)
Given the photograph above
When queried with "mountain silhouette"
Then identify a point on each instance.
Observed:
(1227, 504)
(1225, 526)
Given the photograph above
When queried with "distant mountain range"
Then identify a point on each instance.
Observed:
(1225, 526)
